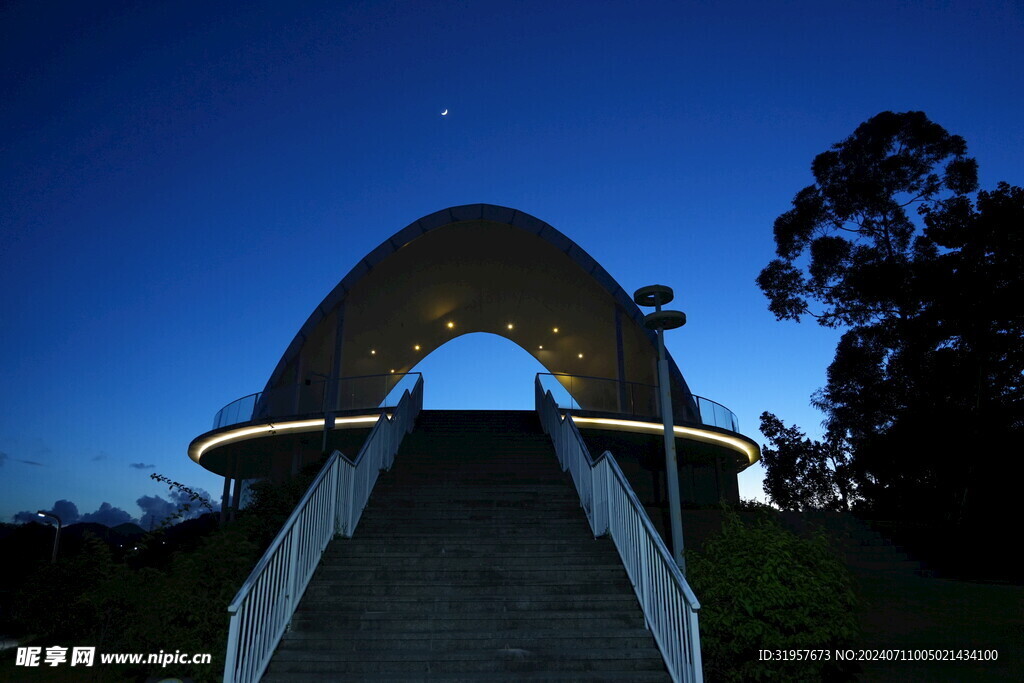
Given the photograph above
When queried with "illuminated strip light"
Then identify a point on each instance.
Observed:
(705, 436)
(298, 426)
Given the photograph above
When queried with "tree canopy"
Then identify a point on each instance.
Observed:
(894, 244)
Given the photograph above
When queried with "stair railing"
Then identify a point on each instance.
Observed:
(333, 504)
(668, 603)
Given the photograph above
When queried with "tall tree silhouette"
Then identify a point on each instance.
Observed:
(889, 244)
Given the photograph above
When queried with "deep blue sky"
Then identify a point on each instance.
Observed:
(182, 183)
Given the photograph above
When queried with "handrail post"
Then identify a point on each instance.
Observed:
(231, 656)
(293, 556)
(338, 478)
(694, 633)
(644, 588)
(349, 505)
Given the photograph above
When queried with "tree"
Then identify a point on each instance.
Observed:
(927, 375)
(804, 473)
(852, 226)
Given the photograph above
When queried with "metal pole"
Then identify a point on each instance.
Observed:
(56, 536)
(56, 543)
(671, 467)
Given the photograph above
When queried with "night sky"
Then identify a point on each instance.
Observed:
(182, 183)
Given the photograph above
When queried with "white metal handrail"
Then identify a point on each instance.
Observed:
(668, 603)
(333, 504)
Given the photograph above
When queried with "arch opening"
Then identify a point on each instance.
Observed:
(479, 370)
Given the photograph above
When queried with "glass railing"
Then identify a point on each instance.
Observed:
(605, 395)
(370, 392)
(715, 414)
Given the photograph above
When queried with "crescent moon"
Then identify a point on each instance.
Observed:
(444, 113)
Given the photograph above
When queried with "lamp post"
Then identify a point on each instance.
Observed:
(656, 296)
(323, 407)
(56, 538)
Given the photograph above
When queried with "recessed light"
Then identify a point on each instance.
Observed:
(373, 352)
(450, 324)
(581, 355)
(416, 348)
(510, 326)
(555, 330)
(541, 347)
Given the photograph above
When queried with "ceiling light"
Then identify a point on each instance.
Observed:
(416, 348)
(555, 330)
(541, 347)
(373, 352)
(581, 355)
(450, 324)
(510, 326)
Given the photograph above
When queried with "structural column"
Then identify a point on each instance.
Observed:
(620, 364)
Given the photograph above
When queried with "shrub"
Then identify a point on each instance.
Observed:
(762, 587)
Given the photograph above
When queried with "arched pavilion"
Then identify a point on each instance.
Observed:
(466, 269)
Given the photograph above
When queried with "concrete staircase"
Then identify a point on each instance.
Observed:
(863, 549)
(473, 561)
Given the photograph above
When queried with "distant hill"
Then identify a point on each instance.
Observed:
(128, 530)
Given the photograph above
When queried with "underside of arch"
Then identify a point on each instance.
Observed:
(482, 268)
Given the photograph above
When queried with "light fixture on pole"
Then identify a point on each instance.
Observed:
(657, 296)
(56, 537)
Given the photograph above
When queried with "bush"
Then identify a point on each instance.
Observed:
(154, 601)
(762, 587)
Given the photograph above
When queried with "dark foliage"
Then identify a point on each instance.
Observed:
(147, 598)
(763, 587)
(803, 473)
(927, 282)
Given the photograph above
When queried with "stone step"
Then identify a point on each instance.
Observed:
(609, 676)
(461, 641)
(483, 547)
(541, 529)
(512, 660)
(455, 576)
(472, 605)
(446, 562)
(474, 513)
(556, 487)
(334, 626)
(318, 589)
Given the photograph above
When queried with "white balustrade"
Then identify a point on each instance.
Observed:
(333, 504)
(612, 508)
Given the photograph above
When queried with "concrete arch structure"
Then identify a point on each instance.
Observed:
(461, 270)
(482, 268)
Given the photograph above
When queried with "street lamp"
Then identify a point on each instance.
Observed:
(658, 295)
(56, 538)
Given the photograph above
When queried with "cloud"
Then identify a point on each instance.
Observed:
(66, 510)
(156, 509)
(97, 458)
(141, 466)
(108, 515)
(4, 457)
